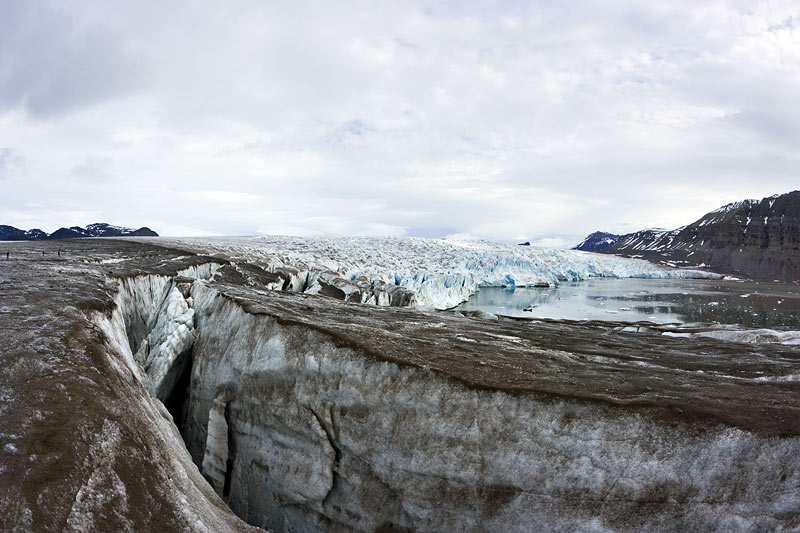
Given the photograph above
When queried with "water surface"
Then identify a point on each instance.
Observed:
(745, 303)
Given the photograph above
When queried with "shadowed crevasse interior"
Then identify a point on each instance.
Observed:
(303, 419)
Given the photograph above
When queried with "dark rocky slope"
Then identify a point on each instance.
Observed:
(599, 240)
(754, 238)
(99, 229)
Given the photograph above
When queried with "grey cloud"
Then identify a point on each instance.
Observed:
(92, 170)
(52, 62)
(775, 125)
(504, 120)
(786, 24)
(11, 162)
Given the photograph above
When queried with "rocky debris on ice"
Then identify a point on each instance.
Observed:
(83, 446)
(735, 334)
(355, 417)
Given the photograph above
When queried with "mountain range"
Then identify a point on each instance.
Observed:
(755, 238)
(100, 229)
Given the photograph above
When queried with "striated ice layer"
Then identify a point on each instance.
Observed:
(748, 336)
(164, 350)
(155, 313)
(327, 437)
(441, 273)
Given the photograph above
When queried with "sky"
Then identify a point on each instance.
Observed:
(513, 121)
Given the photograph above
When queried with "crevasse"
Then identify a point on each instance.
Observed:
(299, 431)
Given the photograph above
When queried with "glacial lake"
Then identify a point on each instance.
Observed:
(745, 303)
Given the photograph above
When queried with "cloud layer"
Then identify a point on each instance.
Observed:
(501, 120)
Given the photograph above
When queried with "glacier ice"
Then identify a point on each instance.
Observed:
(308, 413)
(441, 273)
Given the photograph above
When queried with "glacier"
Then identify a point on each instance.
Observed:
(440, 273)
(169, 384)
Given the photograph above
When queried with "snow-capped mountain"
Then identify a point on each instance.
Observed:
(599, 240)
(10, 233)
(99, 229)
(756, 238)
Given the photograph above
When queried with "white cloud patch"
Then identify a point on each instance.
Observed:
(513, 121)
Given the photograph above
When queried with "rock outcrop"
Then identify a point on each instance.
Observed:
(599, 240)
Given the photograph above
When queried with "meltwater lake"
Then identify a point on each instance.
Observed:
(744, 303)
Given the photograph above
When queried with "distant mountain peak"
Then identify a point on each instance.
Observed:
(98, 229)
(756, 238)
(599, 240)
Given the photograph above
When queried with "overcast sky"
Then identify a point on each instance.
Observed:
(508, 121)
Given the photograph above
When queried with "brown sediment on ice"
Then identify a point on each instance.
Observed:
(348, 416)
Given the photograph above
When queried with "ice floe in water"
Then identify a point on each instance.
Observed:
(442, 273)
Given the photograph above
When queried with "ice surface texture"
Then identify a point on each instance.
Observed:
(325, 432)
(441, 273)
(355, 417)
(83, 446)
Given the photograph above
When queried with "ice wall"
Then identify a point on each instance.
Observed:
(139, 444)
(323, 436)
(156, 315)
(440, 273)
(299, 429)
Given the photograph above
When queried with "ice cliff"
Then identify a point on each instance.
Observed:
(324, 435)
(434, 273)
(83, 446)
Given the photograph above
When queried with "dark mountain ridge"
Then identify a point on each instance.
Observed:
(599, 240)
(99, 229)
(755, 238)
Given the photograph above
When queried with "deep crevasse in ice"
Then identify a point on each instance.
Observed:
(155, 312)
(441, 273)
(171, 336)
